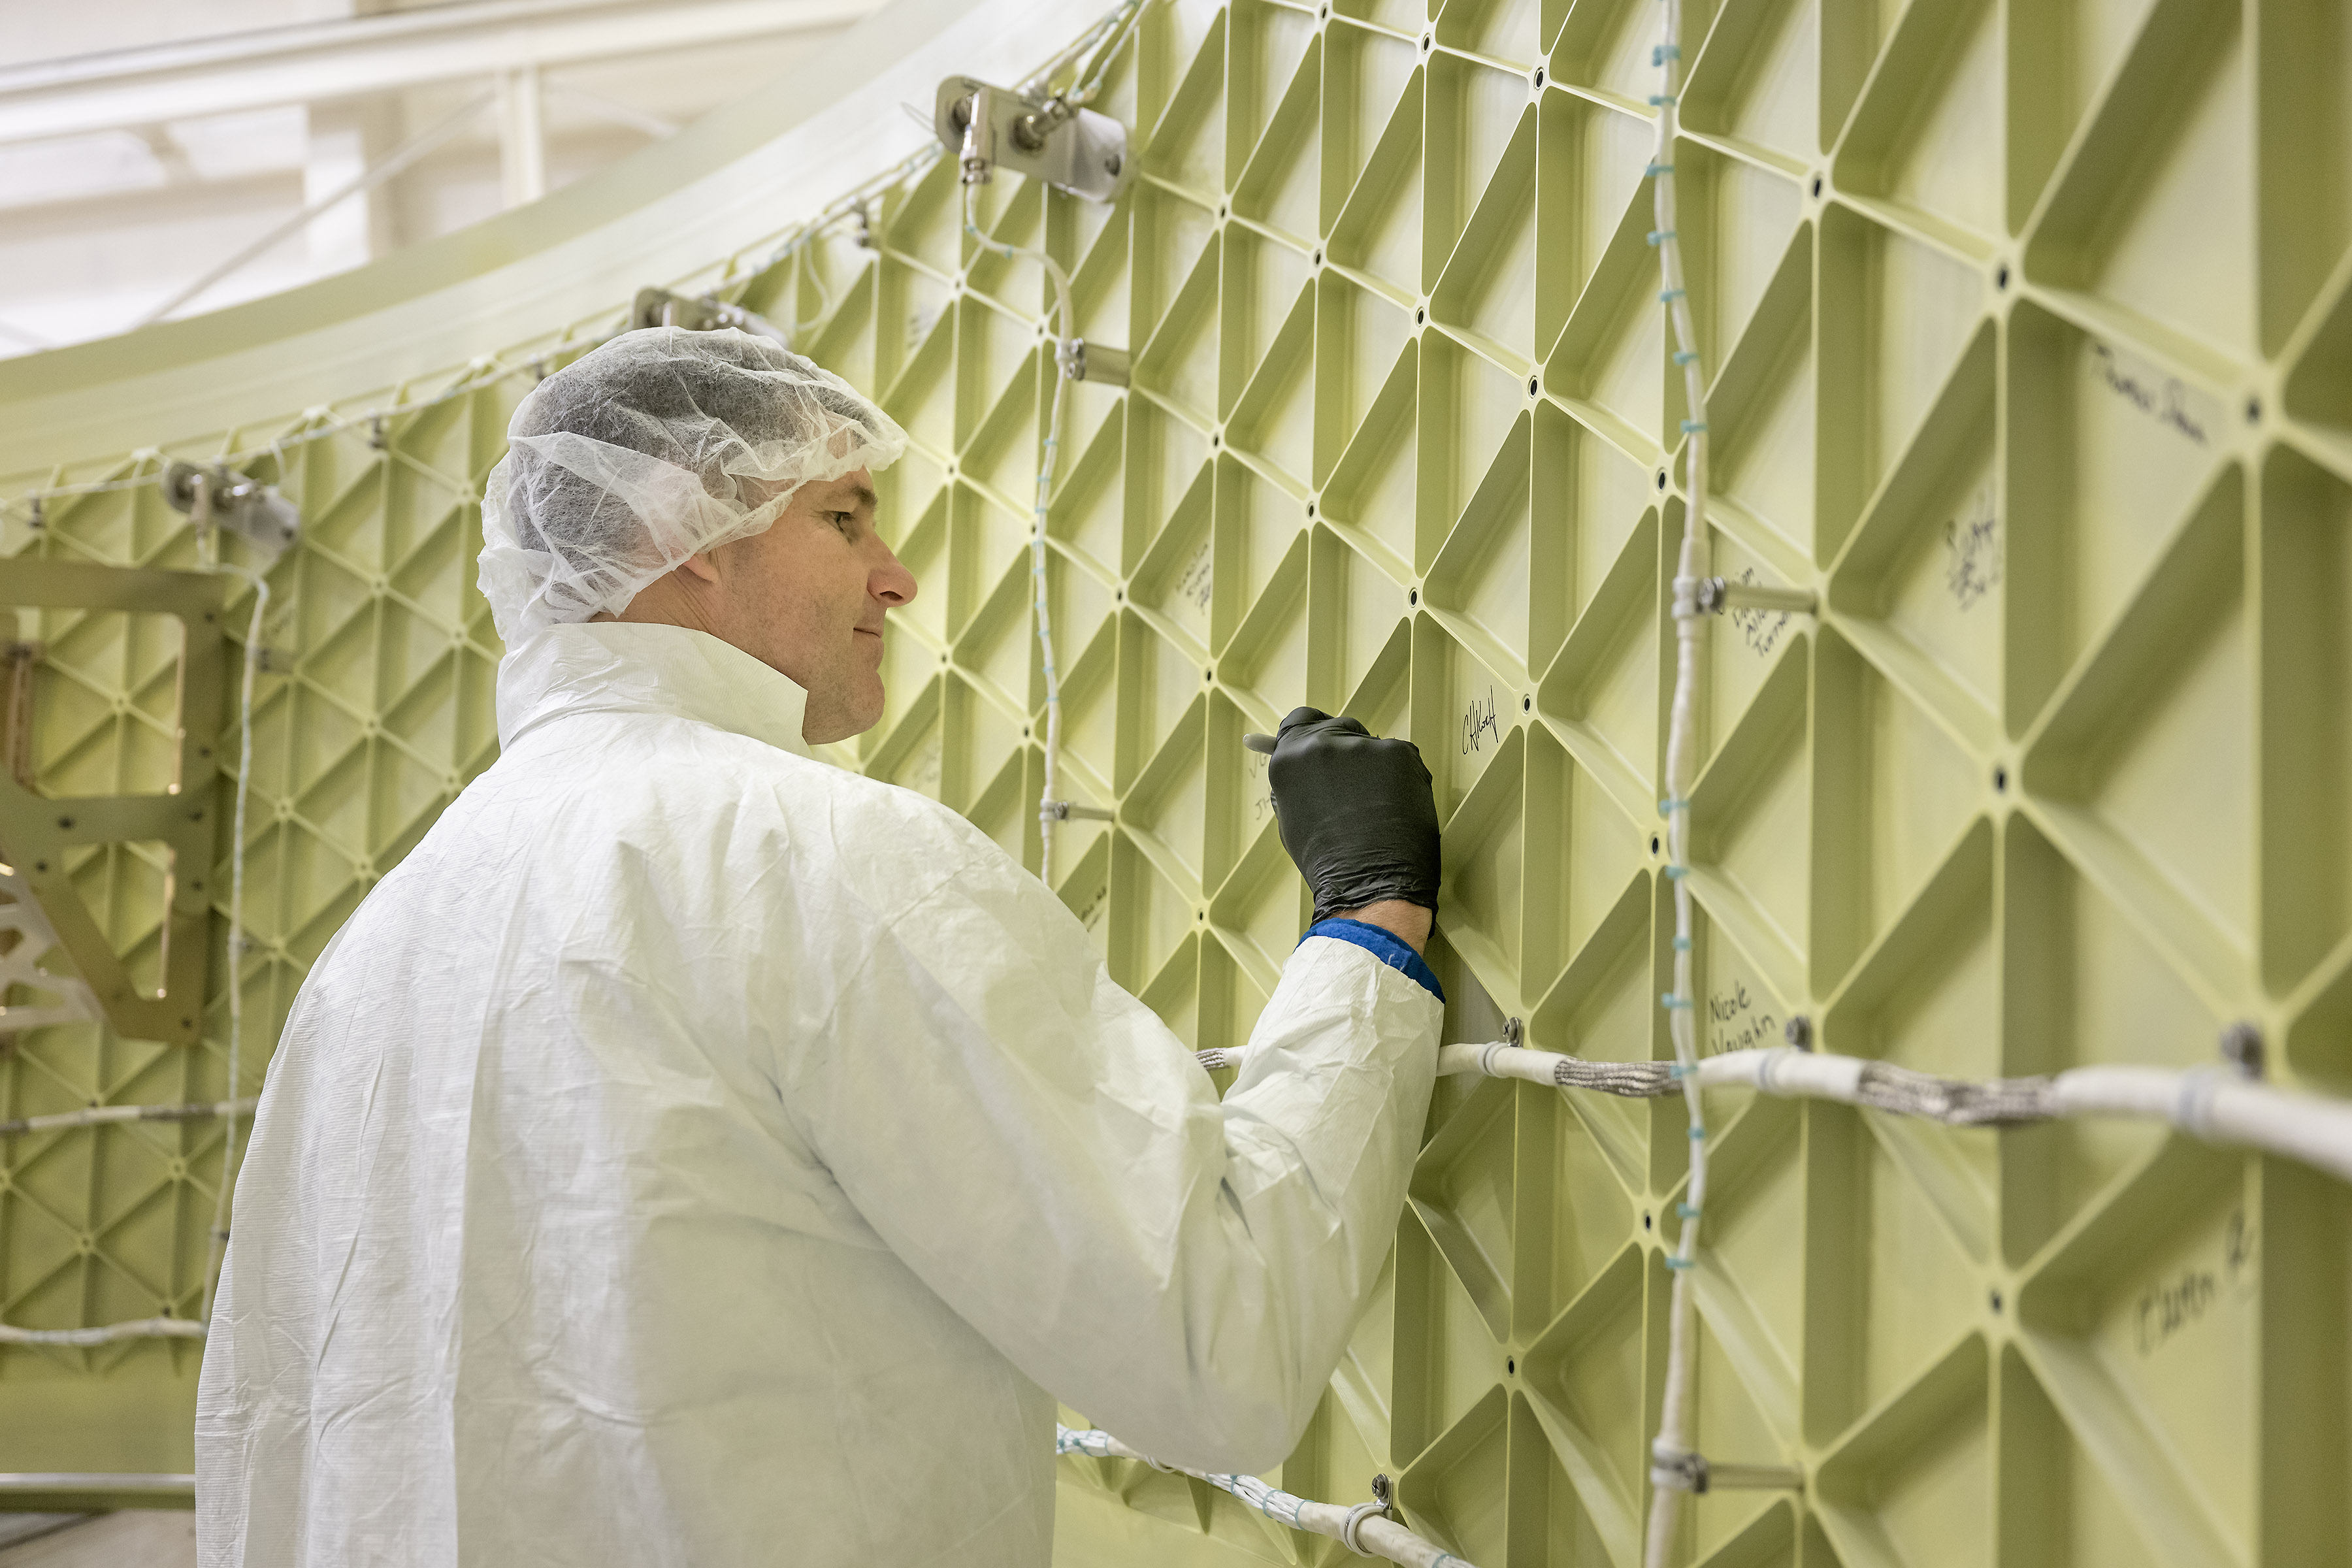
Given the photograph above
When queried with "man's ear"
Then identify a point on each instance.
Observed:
(700, 567)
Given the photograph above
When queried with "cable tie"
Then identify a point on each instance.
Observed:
(1682, 945)
(1673, 1262)
(1487, 1057)
(1668, 295)
(1688, 1211)
(1660, 235)
(1670, 803)
(1661, 53)
(1698, 1133)
(1355, 1521)
(1676, 1072)
(1668, 999)
(2192, 1104)
(1650, 169)
(1677, 1470)
(1659, 100)
(1676, 873)
(1684, 356)
(1693, 426)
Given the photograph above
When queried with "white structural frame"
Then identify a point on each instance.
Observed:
(313, 62)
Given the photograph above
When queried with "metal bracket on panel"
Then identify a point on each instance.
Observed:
(221, 497)
(1680, 1470)
(1515, 1033)
(660, 308)
(989, 128)
(37, 831)
(1091, 362)
(1382, 1506)
(1717, 595)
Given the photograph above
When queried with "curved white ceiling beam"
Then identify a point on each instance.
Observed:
(662, 215)
(314, 61)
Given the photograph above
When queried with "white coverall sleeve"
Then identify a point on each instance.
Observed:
(1046, 1155)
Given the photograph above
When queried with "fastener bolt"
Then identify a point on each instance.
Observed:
(2242, 1045)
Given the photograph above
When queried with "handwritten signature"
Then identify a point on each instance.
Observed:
(1199, 579)
(1261, 793)
(1759, 629)
(1972, 552)
(1478, 722)
(2171, 1305)
(1739, 1023)
(2167, 404)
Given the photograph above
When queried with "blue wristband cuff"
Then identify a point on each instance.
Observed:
(1385, 945)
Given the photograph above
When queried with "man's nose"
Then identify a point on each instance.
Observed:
(891, 581)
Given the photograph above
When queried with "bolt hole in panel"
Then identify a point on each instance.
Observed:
(2028, 336)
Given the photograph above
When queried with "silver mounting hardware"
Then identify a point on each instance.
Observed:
(1093, 363)
(223, 498)
(1717, 595)
(990, 128)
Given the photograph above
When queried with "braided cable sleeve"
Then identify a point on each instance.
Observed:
(1954, 1101)
(1634, 1080)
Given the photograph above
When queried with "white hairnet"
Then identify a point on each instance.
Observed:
(660, 445)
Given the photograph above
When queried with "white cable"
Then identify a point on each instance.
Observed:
(219, 1247)
(1122, 23)
(1372, 1536)
(104, 1115)
(1067, 318)
(86, 1339)
(1672, 1445)
(2216, 1104)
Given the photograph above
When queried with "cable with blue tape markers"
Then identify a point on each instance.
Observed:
(1682, 741)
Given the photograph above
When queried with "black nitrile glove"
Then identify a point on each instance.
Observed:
(1356, 814)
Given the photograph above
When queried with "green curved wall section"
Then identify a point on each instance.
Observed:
(2028, 326)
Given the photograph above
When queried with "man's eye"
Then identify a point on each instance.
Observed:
(845, 520)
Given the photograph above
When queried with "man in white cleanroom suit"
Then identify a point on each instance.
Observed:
(695, 1153)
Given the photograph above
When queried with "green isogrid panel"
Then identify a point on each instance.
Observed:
(2027, 329)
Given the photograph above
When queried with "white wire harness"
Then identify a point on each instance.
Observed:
(1096, 50)
(2218, 1104)
(106, 1334)
(1670, 1452)
(1364, 1529)
(110, 1115)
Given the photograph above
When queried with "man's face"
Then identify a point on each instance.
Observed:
(807, 597)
